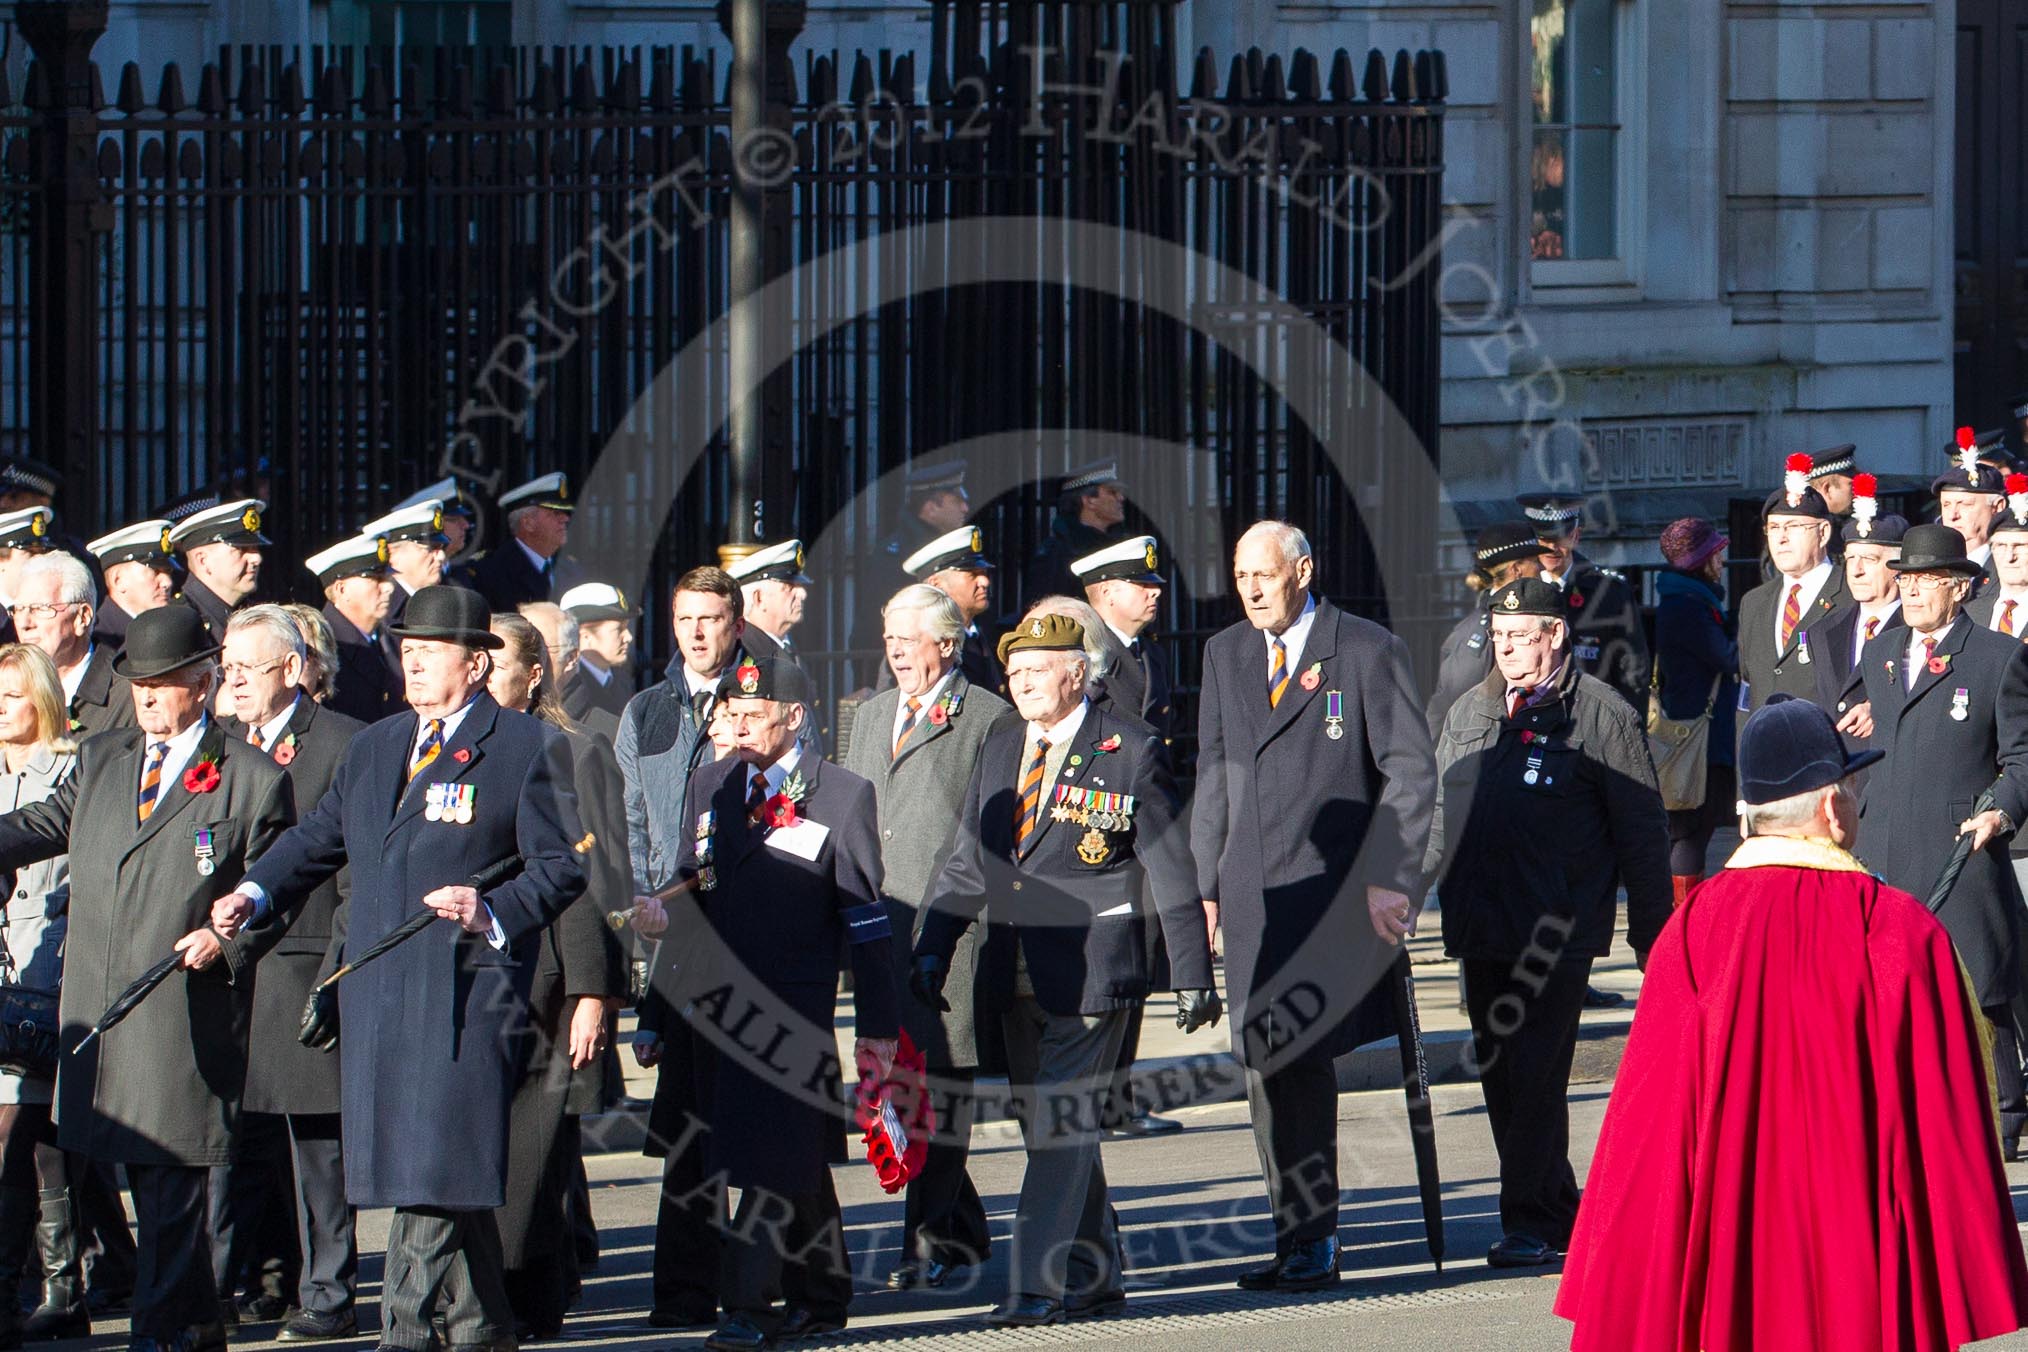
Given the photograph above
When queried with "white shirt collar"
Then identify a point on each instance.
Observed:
(1296, 635)
(1126, 640)
(541, 564)
(177, 753)
(699, 684)
(451, 722)
(74, 678)
(778, 774)
(1065, 728)
(271, 730)
(928, 697)
(597, 673)
(1812, 584)
(1981, 554)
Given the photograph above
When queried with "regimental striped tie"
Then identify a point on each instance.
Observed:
(907, 725)
(1031, 794)
(2007, 618)
(756, 797)
(1872, 628)
(151, 777)
(1928, 656)
(1278, 671)
(1792, 613)
(432, 745)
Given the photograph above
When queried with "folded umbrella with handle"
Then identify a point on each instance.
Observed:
(123, 1003)
(320, 1012)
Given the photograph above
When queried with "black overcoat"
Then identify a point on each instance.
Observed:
(284, 1076)
(1936, 765)
(370, 685)
(104, 700)
(1291, 825)
(164, 1086)
(759, 976)
(1071, 902)
(431, 1035)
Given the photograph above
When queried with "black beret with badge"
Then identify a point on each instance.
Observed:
(1529, 596)
(1795, 497)
(1970, 474)
(776, 679)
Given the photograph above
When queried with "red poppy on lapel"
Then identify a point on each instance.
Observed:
(1939, 665)
(201, 777)
(1576, 601)
(938, 716)
(779, 812)
(285, 752)
(1527, 735)
(461, 755)
(1311, 680)
(1111, 743)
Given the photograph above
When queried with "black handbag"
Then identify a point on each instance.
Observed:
(28, 1028)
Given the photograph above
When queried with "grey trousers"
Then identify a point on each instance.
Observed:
(1060, 1071)
(453, 1258)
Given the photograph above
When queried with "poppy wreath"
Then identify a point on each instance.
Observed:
(904, 1098)
(201, 777)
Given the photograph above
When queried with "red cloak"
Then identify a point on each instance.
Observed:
(1800, 1151)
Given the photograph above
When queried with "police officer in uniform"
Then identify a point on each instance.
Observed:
(221, 550)
(1606, 633)
(1503, 552)
(357, 594)
(1091, 507)
(139, 572)
(1780, 620)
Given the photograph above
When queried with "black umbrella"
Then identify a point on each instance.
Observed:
(1421, 1120)
(123, 1004)
(319, 1024)
(1948, 879)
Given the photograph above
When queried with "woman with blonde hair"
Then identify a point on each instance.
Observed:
(34, 730)
(580, 981)
(320, 652)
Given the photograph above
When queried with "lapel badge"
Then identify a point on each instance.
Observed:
(1334, 714)
(1093, 848)
(1961, 702)
(201, 844)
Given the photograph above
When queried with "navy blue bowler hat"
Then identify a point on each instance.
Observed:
(1792, 747)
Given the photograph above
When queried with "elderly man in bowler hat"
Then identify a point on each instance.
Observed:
(159, 822)
(430, 1032)
(1547, 805)
(1947, 703)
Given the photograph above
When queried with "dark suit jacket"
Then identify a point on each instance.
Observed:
(1139, 683)
(164, 1087)
(508, 579)
(1291, 825)
(284, 1076)
(769, 934)
(430, 1031)
(104, 699)
(1841, 681)
(1070, 901)
(209, 605)
(1936, 766)
(1792, 670)
(589, 694)
(370, 685)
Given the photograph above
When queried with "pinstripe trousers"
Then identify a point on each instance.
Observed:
(448, 1258)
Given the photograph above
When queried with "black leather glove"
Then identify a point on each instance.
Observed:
(320, 1019)
(926, 982)
(1196, 1009)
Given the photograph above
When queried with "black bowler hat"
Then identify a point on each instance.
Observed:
(163, 640)
(1934, 549)
(453, 614)
(1529, 596)
(1789, 747)
(769, 678)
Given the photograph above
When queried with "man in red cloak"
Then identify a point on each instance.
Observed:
(1801, 1150)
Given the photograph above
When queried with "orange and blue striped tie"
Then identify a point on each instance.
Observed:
(907, 725)
(432, 744)
(1278, 672)
(151, 777)
(1031, 794)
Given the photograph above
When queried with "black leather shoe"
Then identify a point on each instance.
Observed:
(306, 1327)
(737, 1334)
(1594, 998)
(209, 1337)
(103, 1302)
(800, 1325)
(1145, 1124)
(263, 1310)
(1262, 1278)
(1310, 1267)
(1025, 1312)
(1518, 1251)
(911, 1275)
(1094, 1304)
(681, 1319)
